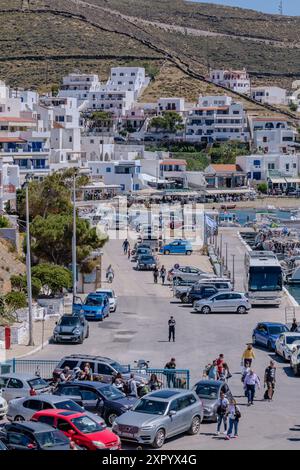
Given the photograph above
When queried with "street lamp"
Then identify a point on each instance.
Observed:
(28, 272)
(226, 255)
(74, 257)
(233, 271)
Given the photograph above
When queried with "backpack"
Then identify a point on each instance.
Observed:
(238, 414)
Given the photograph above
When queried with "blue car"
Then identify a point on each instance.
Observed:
(178, 247)
(95, 306)
(266, 334)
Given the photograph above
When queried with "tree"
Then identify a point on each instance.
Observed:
(293, 106)
(262, 187)
(53, 278)
(52, 239)
(4, 222)
(19, 284)
(15, 300)
(170, 122)
(159, 123)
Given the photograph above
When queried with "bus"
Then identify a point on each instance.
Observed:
(264, 278)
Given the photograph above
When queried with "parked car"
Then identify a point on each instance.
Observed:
(209, 393)
(146, 263)
(177, 247)
(198, 292)
(113, 299)
(3, 407)
(2, 446)
(266, 334)
(100, 366)
(33, 436)
(160, 415)
(231, 302)
(286, 343)
(71, 329)
(187, 273)
(84, 431)
(97, 397)
(22, 409)
(141, 251)
(95, 307)
(295, 360)
(221, 284)
(20, 385)
(181, 287)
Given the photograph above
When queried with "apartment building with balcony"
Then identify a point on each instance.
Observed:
(217, 119)
(132, 79)
(236, 80)
(272, 135)
(79, 85)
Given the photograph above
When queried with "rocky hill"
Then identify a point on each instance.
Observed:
(41, 40)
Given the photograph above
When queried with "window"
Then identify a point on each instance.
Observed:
(19, 439)
(256, 163)
(36, 405)
(15, 383)
(221, 297)
(235, 296)
(70, 391)
(70, 139)
(184, 402)
(92, 141)
(108, 169)
(174, 405)
(3, 382)
(63, 425)
(104, 369)
(69, 363)
(47, 420)
(89, 395)
(192, 399)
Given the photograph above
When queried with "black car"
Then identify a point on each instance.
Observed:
(97, 397)
(30, 435)
(146, 262)
(71, 329)
(198, 292)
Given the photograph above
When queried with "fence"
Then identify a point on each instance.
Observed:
(174, 378)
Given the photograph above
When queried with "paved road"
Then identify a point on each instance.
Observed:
(139, 329)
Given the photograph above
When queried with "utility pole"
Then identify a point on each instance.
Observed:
(226, 255)
(280, 8)
(74, 260)
(233, 272)
(28, 272)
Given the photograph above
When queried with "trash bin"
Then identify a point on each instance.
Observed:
(5, 368)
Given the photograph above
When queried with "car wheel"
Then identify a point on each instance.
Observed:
(88, 333)
(80, 340)
(111, 418)
(242, 310)
(159, 439)
(19, 418)
(185, 299)
(188, 253)
(166, 252)
(195, 426)
(206, 310)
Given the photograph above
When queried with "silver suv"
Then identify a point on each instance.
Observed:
(188, 273)
(160, 415)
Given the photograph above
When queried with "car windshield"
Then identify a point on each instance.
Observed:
(94, 301)
(119, 368)
(51, 438)
(86, 425)
(292, 339)
(151, 407)
(38, 383)
(276, 330)
(108, 293)
(265, 279)
(111, 393)
(207, 391)
(68, 405)
(69, 321)
(147, 259)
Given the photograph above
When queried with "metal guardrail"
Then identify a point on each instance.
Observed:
(171, 378)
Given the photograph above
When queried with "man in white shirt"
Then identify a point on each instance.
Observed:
(222, 412)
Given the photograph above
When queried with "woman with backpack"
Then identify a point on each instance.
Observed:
(234, 415)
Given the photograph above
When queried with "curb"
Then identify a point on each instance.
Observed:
(35, 350)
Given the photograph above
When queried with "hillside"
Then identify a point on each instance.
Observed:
(50, 38)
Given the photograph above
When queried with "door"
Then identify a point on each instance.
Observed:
(3, 384)
(72, 392)
(235, 301)
(262, 335)
(91, 401)
(105, 371)
(20, 441)
(220, 303)
(77, 305)
(174, 423)
(185, 412)
(15, 389)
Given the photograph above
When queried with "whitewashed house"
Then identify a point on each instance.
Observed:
(127, 79)
(272, 135)
(269, 95)
(79, 85)
(124, 174)
(236, 80)
(171, 104)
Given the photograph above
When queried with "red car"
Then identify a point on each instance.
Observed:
(82, 429)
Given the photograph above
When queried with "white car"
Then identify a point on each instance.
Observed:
(231, 302)
(188, 273)
(3, 407)
(286, 343)
(113, 299)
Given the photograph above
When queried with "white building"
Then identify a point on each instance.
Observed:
(272, 135)
(127, 79)
(79, 85)
(259, 167)
(217, 119)
(111, 101)
(269, 95)
(236, 80)
(122, 173)
(171, 104)
(97, 147)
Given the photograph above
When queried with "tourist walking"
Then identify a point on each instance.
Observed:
(125, 246)
(170, 373)
(163, 273)
(155, 275)
(222, 412)
(248, 355)
(234, 416)
(270, 380)
(250, 383)
(294, 326)
(171, 325)
(213, 372)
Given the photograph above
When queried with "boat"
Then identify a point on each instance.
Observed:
(291, 270)
(227, 207)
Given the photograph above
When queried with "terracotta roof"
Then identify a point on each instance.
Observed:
(15, 119)
(173, 162)
(56, 125)
(7, 140)
(219, 167)
(270, 119)
(213, 108)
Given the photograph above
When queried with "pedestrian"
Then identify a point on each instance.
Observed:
(171, 374)
(250, 382)
(270, 380)
(125, 246)
(87, 373)
(172, 324)
(213, 371)
(154, 383)
(294, 326)
(222, 412)
(234, 415)
(119, 382)
(220, 362)
(248, 355)
(129, 252)
(132, 386)
(66, 375)
(225, 373)
(163, 273)
(155, 274)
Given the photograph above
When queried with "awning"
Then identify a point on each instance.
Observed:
(228, 191)
(152, 179)
(278, 180)
(292, 180)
